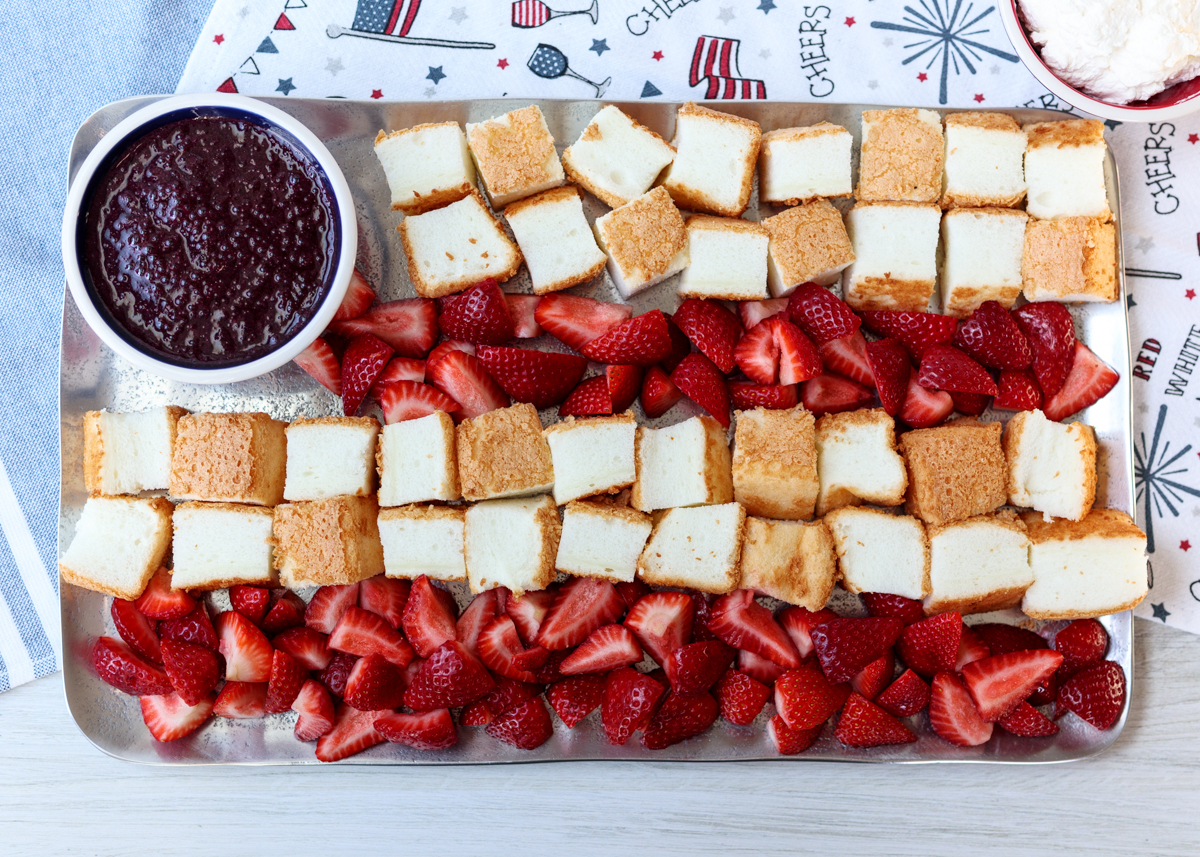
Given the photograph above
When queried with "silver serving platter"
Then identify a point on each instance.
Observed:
(94, 377)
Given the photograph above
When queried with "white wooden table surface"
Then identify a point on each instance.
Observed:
(58, 794)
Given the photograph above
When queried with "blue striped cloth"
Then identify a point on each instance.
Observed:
(61, 61)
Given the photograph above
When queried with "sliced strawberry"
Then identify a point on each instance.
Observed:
(476, 714)
(542, 378)
(743, 623)
(1000, 683)
(328, 605)
(1018, 391)
(479, 315)
(788, 741)
(904, 697)
(659, 393)
(399, 369)
(798, 623)
(752, 312)
(953, 714)
(865, 724)
(508, 693)
(624, 382)
(846, 645)
(606, 648)
(970, 404)
(363, 633)
(821, 314)
(353, 731)
(1051, 334)
(1001, 639)
(662, 622)
(445, 348)
(287, 612)
(526, 726)
(251, 601)
(1027, 721)
(759, 668)
(160, 601)
(384, 596)
(374, 684)
(741, 697)
(196, 627)
(712, 328)
(287, 677)
(581, 606)
(307, 647)
(169, 718)
(529, 611)
(847, 357)
(799, 359)
(365, 358)
(241, 700)
(429, 617)
(576, 321)
(523, 311)
(1082, 643)
(757, 353)
(701, 381)
(992, 336)
(1089, 381)
(830, 394)
(1097, 694)
(916, 330)
(702, 605)
(119, 666)
(680, 717)
(696, 667)
(681, 346)
(430, 730)
(747, 395)
(498, 644)
(971, 647)
(474, 619)
(358, 299)
(806, 699)
(931, 645)
(640, 341)
(136, 629)
(891, 369)
(870, 681)
(334, 676)
(315, 708)
(465, 379)
(591, 398)
(411, 400)
(925, 408)
(451, 677)
(319, 361)
(628, 703)
(192, 669)
(409, 326)
(885, 604)
(576, 697)
(246, 649)
(944, 367)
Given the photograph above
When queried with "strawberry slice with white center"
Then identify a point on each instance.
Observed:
(169, 718)
(741, 697)
(904, 697)
(743, 623)
(746, 395)
(712, 328)
(498, 644)
(450, 677)
(328, 605)
(757, 353)
(358, 299)
(309, 648)
(523, 311)
(241, 700)
(891, 370)
(385, 597)
(409, 325)
(576, 697)
(353, 731)
(1089, 381)
(759, 668)
(117, 664)
(752, 312)
(659, 393)
(193, 670)
(831, 394)
(542, 378)
(1000, 683)
(806, 699)
(788, 741)
(529, 611)
(624, 382)
(1097, 694)
(821, 314)
(591, 398)
(662, 622)
(195, 627)
(526, 726)
(160, 601)
(429, 617)
(287, 612)
(798, 622)
(845, 645)
(640, 341)
(971, 647)
(918, 331)
(251, 601)
(629, 701)
(953, 714)
(1018, 391)
(320, 361)
(446, 347)
(365, 358)
(474, 619)
(991, 336)
(865, 724)
(136, 629)
(374, 684)
(362, 633)
(287, 677)
(1050, 330)
(479, 315)
(399, 369)
(696, 667)
(429, 730)
(701, 381)
(582, 605)
(410, 400)
(923, 407)
(576, 321)
(847, 357)
(680, 717)
(776, 351)
(606, 648)
(931, 645)
(465, 379)
(944, 367)
(315, 708)
(246, 649)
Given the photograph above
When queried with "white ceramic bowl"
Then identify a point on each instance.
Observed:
(345, 229)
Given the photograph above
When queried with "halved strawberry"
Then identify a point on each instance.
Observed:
(752, 312)
(319, 361)
(315, 708)
(446, 347)
(159, 601)
(741, 696)
(409, 325)
(474, 618)
(747, 395)
(576, 697)
(479, 315)
(659, 393)
(450, 677)
(917, 331)
(465, 379)
(953, 714)
(788, 741)
(1027, 721)
(805, 698)
(632, 591)
(429, 618)
(846, 645)
(195, 627)
(136, 629)
(680, 717)
(373, 685)
(831, 394)
(591, 398)
(241, 700)
(865, 724)
(251, 601)
(701, 381)
(624, 382)
(924, 408)
(192, 669)
(1082, 643)
(507, 693)
(581, 606)
(429, 730)
(971, 647)
(1002, 639)
(169, 718)
(353, 731)
(523, 311)
(743, 623)
(1018, 391)
(885, 604)
(696, 667)
(576, 321)
(1050, 330)
(526, 726)
(334, 676)
(870, 681)
(399, 369)
(1089, 381)
(662, 622)
(757, 353)
(287, 677)
(776, 351)
(476, 714)
(1000, 683)
(759, 668)
(931, 645)
(529, 611)
(992, 336)
(712, 328)
(362, 633)
(944, 367)
(358, 299)
(891, 370)
(384, 596)
(365, 358)
(1097, 694)
(119, 666)
(702, 605)
(821, 314)
(904, 697)
(328, 605)
(970, 404)
(542, 378)
(799, 359)
(681, 346)
(641, 341)
(307, 647)
(287, 612)
(628, 702)
(498, 644)
(411, 400)
(798, 622)
(847, 357)
(606, 648)
(246, 649)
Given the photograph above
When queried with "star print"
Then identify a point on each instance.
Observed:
(285, 86)
(850, 22)
(334, 65)
(887, 43)
(872, 84)
(243, 12)
(1194, 138)
(435, 74)
(994, 69)
(766, 6)
(1185, 545)
(657, 55)
(979, 97)
(430, 92)
(1196, 423)
(725, 15)
(1189, 294)
(377, 93)
(503, 64)
(1145, 245)
(1143, 408)
(218, 38)
(599, 46)
(1196, 511)
(458, 14)
(922, 77)
(1160, 611)
(1130, 303)
(765, 53)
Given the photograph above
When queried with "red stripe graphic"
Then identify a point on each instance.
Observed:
(413, 6)
(694, 75)
(725, 50)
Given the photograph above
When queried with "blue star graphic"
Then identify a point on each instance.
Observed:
(1111, 124)
(1161, 611)
(285, 86)
(1130, 302)
(766, 6)
(599, 46)
(435, 74)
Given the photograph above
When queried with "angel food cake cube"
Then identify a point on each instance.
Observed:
(808, 244)
(985, 155)
(797, 165)
(1051, 466)
(327, 542)
(452, 248)
(727, 259)
(555, 239)
(682, 465)
(1064, 169)
(982, 251)
(698, 548)
(857, 461)
(895, 256)
(229, 458)
(880, 552)
(1070, 259)
(515, 155)
(423, 540)
(217, 545)
(128, 453)
(791, 561)
(902, 155)
(427, 166)
(601, 540)
(615, 158)
(119, 543)
(503, 454)
(713, 170)
(512, 543)
(775, 463)
(418, 461)
(954, 472)
(646, 242)
(978, 565)
(592, 455)
(328, 456)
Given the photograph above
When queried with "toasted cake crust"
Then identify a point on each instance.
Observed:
(1072, 258)
(503, 454)
(513, 155)
(808, 240)
(775, 463)
(240, 458)
(423, 512)
(954, 472)
(324, 542)
(644, 235)
(902, 157)
(983, 119)
(1067, 132)
(789, 561)
(1102, 523)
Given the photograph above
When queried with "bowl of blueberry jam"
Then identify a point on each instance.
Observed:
(209, 238)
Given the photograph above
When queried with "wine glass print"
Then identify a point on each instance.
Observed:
(534, 13)
(549, 62)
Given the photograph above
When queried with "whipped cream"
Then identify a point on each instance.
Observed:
(1117, 50)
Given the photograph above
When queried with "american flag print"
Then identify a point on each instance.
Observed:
(393, 17)
(715, 61)
(530, 13)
